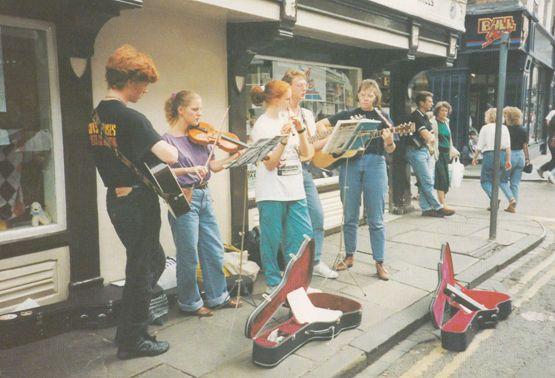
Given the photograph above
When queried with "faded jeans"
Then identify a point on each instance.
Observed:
(364, 176)
(515, 174)
(197, 238)
(486, 175)
(419, 160)
(316, 213)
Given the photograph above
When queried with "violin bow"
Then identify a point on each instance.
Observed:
(211, 154)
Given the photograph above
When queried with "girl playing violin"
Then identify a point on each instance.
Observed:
(196, 234)
(279, 191)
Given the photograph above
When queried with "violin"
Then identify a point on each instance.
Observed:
(205, 134)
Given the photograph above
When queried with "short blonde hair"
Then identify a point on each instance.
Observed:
(490, 115)
(513, 116)
(442, 104)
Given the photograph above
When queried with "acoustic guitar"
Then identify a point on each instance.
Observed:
(325, 160)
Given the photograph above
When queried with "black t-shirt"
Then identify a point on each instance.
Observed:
(375, 146)
(519, 136)
(422, 122)
(134, 136)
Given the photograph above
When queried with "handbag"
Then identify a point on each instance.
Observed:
(456, 170)
(528, 168)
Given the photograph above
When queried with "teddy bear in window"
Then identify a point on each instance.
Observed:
(39, 215)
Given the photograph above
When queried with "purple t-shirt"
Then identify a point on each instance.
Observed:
(190, 155)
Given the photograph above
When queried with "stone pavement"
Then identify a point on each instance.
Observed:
(217, 347)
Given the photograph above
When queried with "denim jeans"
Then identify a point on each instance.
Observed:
(281, 222)
(197, 237)
(136, 219)
(316, 213)
(419, 160)
(364, 176)
(486, 175)
(515, 174)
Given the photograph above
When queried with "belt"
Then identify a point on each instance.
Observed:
(203, 185)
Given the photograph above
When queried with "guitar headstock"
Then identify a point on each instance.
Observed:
(407, 128)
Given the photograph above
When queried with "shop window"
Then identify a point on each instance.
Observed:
(31, 161)
(331, 89)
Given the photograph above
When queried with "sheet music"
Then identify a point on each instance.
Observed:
(342, 136)
(256, 152)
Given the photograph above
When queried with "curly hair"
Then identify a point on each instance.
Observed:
(442, 104)
(129, 64)
(274, 90)
(513, 116)
(490, 115)
(291, 75)
(172, 104)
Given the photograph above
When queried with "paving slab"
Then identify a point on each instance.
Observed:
(198, 346)
(320, 351)
(420, 278)
(433, 240)
(389, 294)
(345, 361)
(242, 366)
(165, 371)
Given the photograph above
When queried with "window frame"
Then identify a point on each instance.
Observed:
(30, 232)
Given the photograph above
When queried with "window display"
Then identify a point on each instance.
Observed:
(30, 168)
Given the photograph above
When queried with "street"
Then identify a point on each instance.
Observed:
(521, 346)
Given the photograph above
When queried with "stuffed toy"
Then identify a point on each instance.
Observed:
(39, 215)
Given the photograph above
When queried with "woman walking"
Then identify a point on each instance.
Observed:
(486, 143)
(443, 149)
(519, 151)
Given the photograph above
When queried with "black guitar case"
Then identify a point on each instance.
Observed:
(269, 351)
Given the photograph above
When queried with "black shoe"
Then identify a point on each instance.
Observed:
(446, 212)
(432, 213)
(144, 347)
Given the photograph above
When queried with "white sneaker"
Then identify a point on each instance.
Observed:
(270, 289)
(323, 270)
(550, 178)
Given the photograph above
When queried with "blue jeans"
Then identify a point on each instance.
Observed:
(197, 237)
(486, 175)
(419, 160)
(316, 213)
(367, 176)
(281, 221)
(515, 174)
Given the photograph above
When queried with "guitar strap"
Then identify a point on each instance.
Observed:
(121, 157)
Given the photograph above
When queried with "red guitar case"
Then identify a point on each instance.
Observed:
(460, 312)
(268, 351)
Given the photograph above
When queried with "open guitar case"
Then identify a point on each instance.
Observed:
(272, 344)
(460, 312)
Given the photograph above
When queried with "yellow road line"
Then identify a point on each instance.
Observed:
(418, 369)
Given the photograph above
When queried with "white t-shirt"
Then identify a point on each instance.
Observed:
(284, 183)
(307, 119)
(486, 138)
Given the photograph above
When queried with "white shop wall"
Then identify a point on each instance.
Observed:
(190, 53)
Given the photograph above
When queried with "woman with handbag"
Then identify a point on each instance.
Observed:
(520, 157)
(486, 146)
(443, 149)
(196, 234)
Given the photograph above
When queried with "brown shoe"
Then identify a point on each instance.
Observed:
(202, 312)
(232, 303)
(383, 274)
(512, 207)
(347, 263)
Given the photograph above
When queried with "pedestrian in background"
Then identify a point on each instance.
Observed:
(443, 149)
(519, 151)
(486, 143)
(550, 165)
